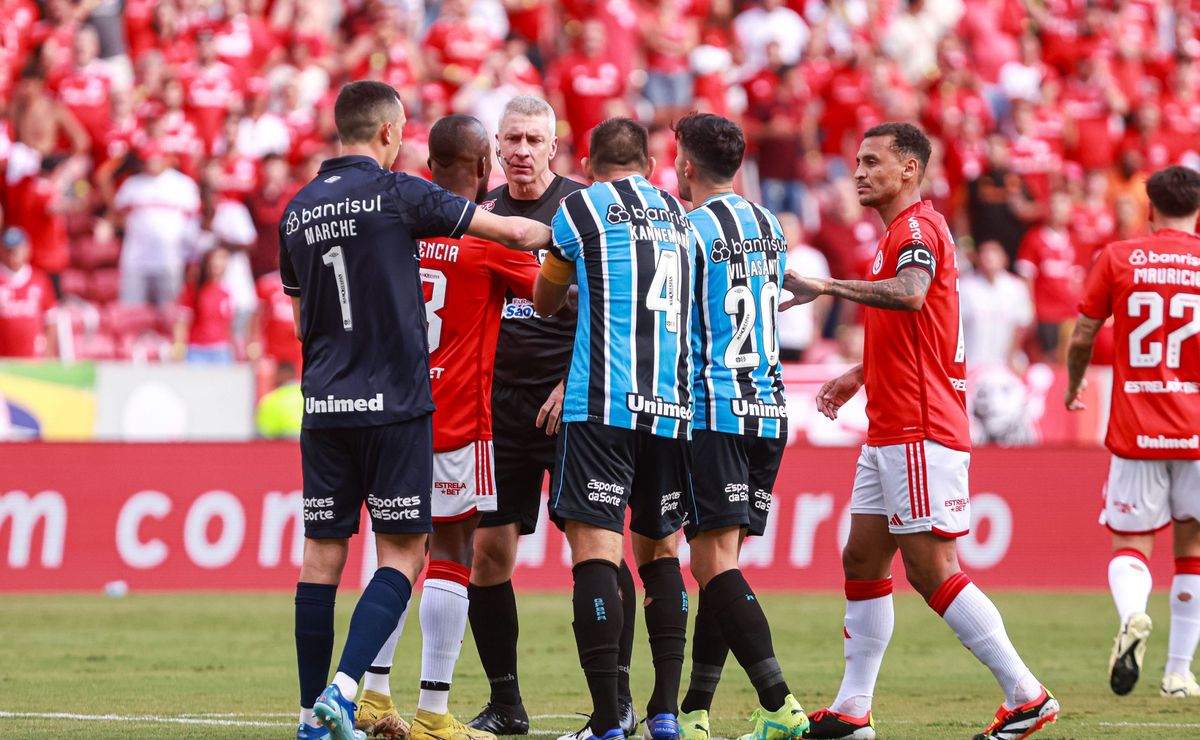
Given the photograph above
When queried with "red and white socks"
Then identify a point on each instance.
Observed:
(444, 607)
(1130, 581)
(977, 623)
(1185, 616)
(870, 619)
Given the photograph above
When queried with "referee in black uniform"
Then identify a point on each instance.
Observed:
(349, 260)
(532, 357)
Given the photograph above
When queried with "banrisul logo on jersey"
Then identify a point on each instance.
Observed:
(723, 251)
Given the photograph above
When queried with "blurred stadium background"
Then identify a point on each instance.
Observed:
(148, 148)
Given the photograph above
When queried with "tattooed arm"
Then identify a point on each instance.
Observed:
(905, 292)
(1079, 354)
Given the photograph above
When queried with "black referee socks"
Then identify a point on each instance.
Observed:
(629, 614)
(314, 638)
(596, 602)
(748, 635)
(709, 652)
(493, 615)
(666, 624)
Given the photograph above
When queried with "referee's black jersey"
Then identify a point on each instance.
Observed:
(533, 350)
(348, 249)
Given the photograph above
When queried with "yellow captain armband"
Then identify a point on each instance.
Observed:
(557, 271)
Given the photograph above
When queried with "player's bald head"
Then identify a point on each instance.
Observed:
(457, 137)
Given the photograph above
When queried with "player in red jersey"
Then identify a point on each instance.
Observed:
(465, 281)
(910, 489)
(1151, 288)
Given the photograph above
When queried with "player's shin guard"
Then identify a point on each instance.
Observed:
(870, 619)
(1130, 581)
(976, 621)
(709, 652)
(493, 614)
(443, 624)
(314, 638)
(666, 625)
(748, 635)
(1185, 616)
(375, 618)
(596, 603)
(629, 617)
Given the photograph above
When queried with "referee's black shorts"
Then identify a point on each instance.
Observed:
(732, 479)
(523, 455)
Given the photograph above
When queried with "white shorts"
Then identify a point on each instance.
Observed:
(918, 486)
(464, 482)
(1143, 496)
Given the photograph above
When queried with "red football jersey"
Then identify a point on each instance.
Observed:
(1151, 288)
(25, 298)
(465, 281)
(914, 362)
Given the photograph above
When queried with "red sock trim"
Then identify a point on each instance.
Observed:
(948, 592)
(1187, 566)
(864, 590)
(447, 570)
(1132, 553)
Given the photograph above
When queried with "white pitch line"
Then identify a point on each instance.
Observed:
(1180, 725)
(147, 718)
(558, 716)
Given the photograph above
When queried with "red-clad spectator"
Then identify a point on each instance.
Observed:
(582, 83)
(1091, 104)
(205, 325)
(19, 17)
(1032, 157)
(1093, 223)
(212, 89)
(1181, 110)
(26, 301)
(140, 32)
(849, 90)
(458, 44)
(531, 20)
(238, 172)
(173, 41)
(1148, 137)
(619, 18)
(1047, 260)
(86, 89)
(667, 37)
(990, 28)
(169, 127)
(388, 52)
(275, 326)
(241, 40)
(267, 204)
(36, 204)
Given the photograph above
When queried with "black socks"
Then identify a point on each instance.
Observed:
(666, 624)
(748, 635)
(493, 615)
(709, 652)
(598, 611)
(314, 638)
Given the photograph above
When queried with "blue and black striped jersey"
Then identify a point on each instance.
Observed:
(633, 249)
(737, 382)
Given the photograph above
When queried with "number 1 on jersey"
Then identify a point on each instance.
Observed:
(663, 295)
(337, 261)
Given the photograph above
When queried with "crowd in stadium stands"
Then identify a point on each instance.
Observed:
(148, 147)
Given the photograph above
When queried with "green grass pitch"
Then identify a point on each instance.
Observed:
(150, 661)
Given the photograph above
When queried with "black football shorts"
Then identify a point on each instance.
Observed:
(390, 467)
(603, 469)
(522, 455)
(732, 479)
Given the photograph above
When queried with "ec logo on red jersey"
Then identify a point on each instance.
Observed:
(875, 268)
